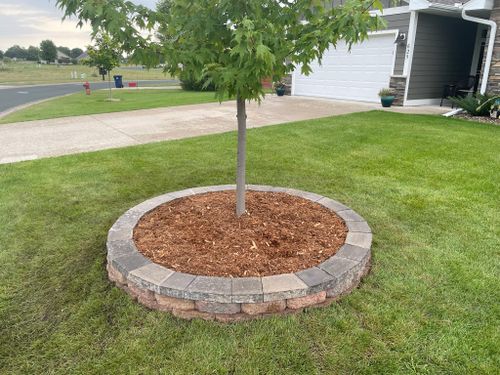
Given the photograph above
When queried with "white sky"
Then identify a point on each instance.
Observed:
(28, 22)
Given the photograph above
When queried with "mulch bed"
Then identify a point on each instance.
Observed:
(201, 235)
(483, 119)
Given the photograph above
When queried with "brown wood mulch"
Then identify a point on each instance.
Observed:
(201, 235)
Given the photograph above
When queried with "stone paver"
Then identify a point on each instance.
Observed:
(316, 279)
(150, 276)
(337, 266)
(353, 252)
(359, 239)
(212, 289)
(358, 226)
(119, 248)
(246, 290)
(71, 135)
(176, 284)
(128, 263)
(283, 287)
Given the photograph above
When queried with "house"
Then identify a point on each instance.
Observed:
(62, 58)
(82, 56)
(427, 44)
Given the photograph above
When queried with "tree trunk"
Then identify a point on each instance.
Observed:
(109, 85)
(242, 135)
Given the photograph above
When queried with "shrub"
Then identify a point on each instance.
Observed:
(386, 92)
(474, 105)
(279, 85)
(191, 84)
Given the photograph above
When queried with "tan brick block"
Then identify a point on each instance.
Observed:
(166, 303)
(217, 307)
(306, 301)
(147, 302)
(263, 307)
(116, 276)
(141, 294)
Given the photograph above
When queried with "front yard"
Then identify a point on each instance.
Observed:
(128, 100)
(428, 186)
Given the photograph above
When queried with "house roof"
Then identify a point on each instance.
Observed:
(62, 55)
(84, 55)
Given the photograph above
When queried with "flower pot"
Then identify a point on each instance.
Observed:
(387, 101)
(280, 91)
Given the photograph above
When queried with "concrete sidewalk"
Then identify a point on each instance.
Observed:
(70, 135)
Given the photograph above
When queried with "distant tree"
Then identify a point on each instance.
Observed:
(75, 52)
(48, 51)
(105, 55)
(33, 54)
(1, 54)
(16, 52)
(64, 50)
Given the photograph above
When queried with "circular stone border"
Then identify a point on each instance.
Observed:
(231, 299)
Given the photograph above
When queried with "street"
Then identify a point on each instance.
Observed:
(11, 97)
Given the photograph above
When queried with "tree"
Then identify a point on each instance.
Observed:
(33, 54)
(105, 55)
(16, 52)
(75, 52)
(1, 54)
(234, 44)
(48, 51)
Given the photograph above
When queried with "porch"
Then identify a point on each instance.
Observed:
(445, 49)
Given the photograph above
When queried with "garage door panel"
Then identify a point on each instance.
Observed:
(340, 76)
(356, 75)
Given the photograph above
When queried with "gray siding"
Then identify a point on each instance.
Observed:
(442, 54)
(402, 23)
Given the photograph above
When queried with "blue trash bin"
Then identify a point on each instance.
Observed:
(118, 81)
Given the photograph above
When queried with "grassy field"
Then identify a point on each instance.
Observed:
(428, 186)
(81, 104)
(27, 73)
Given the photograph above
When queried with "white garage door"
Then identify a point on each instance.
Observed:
(355, 75)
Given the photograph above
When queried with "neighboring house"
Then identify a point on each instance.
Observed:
(83, 56)
(62, 58)
(426, 45)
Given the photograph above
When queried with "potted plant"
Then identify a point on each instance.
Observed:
(280, 87)
(386, 97)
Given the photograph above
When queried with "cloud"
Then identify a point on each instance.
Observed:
(27, 24)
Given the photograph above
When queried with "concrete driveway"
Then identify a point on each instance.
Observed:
(70, 135)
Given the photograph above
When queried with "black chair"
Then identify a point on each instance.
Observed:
(462, 88)
(448, 90)
(466, 86)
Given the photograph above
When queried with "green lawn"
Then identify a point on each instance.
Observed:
(81, 104)
(428, 186)
(30, 73)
